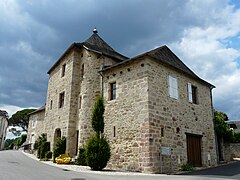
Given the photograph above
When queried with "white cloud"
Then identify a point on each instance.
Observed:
(204, 49)
(10, 109)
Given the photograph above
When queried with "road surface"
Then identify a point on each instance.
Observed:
(14, 165)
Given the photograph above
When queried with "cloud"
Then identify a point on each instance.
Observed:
(205, 49)
(34, 34)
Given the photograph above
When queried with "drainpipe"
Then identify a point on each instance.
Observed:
(216, 140)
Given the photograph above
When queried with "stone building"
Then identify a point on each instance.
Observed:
(36, 125)
(152, 100)
(3, 128)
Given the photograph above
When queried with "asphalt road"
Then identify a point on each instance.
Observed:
(228, 171)
(14, 165)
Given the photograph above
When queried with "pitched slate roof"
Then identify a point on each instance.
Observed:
(96, 44)
(164, 55)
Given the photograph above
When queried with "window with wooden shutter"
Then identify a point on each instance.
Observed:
(192, 93)
(173, 87)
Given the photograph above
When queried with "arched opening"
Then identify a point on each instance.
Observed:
(57, 134)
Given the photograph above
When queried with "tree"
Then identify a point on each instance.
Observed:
(40, 140)
(21, 119)
(221, 128)
(97, 116)
(223, 132)
(98, 151)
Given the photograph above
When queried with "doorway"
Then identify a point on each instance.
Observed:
(194, 149)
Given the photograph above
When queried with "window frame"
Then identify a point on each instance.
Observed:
(192, 93)
(82, 70)
(173, 87)
(61, 99)
(112, 91)
(63, 70)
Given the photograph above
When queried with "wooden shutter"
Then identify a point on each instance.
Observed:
(190, 92)
(173, 87)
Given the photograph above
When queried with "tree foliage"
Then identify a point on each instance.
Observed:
(97, 116)
(236, 137)
(221, 128)
(9, 143)
(40, 140)
(21, 119)
(98, 151)
(60, 147)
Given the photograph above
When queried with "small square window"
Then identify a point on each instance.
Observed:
(112, 91)
(61, 99)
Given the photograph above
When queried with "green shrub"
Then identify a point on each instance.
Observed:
(59, 148)
(40, 140)
(97, 152)
(236, 137)
(81, 159)
(44, 148)
(187, 167)
(48, 155)
(98, 116)
(35, 146)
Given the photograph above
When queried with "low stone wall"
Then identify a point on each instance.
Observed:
(231, 150)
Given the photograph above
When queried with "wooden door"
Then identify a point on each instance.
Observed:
(194, 150)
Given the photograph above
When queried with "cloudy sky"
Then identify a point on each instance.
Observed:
(205, 34)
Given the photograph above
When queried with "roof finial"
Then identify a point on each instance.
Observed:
(95, 30)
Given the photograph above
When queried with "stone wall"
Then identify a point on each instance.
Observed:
(56, 117)
(127, 115)
(81, 85)
(177, 117)
(3, 130)
(35, 126)
(230, 151)
(143, 109)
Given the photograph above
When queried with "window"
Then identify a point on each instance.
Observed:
(61, 99)
(63, 70)
(173, 87)
(34, 122)
(51, 102)
(80, 102)
(162, 132)
(82, 70)
(112, 91)
(192, 93)
(114, 131)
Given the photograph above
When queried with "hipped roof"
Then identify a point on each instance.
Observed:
(164, 55)
(96, 44)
